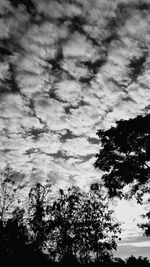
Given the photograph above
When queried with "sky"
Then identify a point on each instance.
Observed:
(67, 69)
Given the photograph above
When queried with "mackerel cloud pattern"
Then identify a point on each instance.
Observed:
(67, 69)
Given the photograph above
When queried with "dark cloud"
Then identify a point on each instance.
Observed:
(67, 135)
(29, 5)
(136, 66)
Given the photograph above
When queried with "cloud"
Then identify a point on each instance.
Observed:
(78, 46)
(78, 147)
(137, 244)
(68, 91)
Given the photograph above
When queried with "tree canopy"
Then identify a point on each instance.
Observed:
(124, 156)
(75, 224)
(83, 225)
(36, 213)
(10, 184)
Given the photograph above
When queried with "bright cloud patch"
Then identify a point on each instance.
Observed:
(137, 244)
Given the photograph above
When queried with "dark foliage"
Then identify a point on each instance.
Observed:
(36, 214)
(75, 228)
(9, 187)
(140, 261)
(124, 156)
(82, 225)
(146, 226)
(13, 236)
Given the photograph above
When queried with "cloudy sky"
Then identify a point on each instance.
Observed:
(67, 69)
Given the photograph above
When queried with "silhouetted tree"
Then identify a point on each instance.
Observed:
(37, 214)
(63, 218)
(16, 231)
(118, 262)
(10, 184)
(140, 261)
(13, 237)
(10, 226)
(83, 225)
(99, 230)
(146, 226)
(124, 156)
